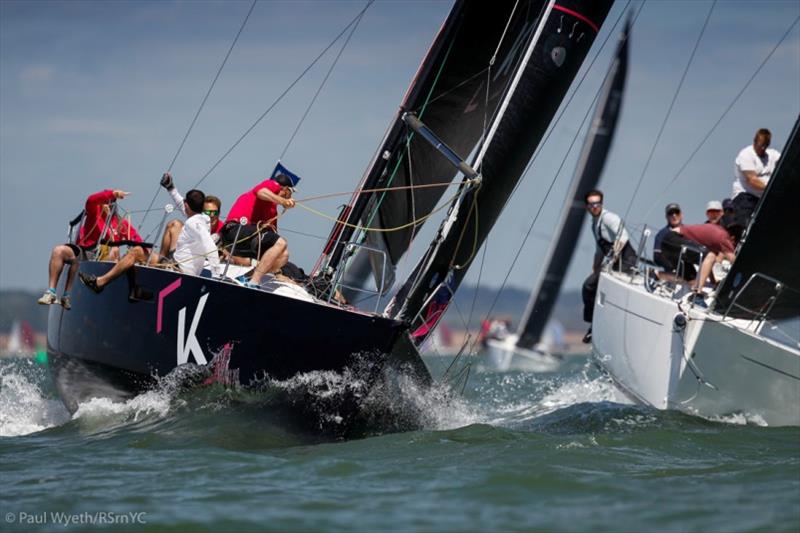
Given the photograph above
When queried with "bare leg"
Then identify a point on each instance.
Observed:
(73, 269)
(269, 261)
(705, 270)
(61, 254)
(170, 239)
(134, 255)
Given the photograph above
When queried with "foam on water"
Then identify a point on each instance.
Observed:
(24, 407)
(517, 398)
(103, 412)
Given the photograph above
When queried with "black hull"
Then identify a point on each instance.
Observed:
(117, 343)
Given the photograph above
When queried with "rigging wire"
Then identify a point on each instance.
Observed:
(202, 104)
(669, 110)
(283, 94)
(555, 175)
(324, 80)
(700, 145)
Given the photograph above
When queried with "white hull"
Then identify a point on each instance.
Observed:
(710, 367)
(503, 355)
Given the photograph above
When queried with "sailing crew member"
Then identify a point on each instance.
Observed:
(713, 212)
(211, 207)
(719, 241)
(96, 210)
(195, 245)
(258, 238)
(753, 167)
(674, 219)
(116, 233)
(612, 240)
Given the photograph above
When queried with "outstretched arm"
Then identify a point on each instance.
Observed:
(269, 196)
(169, 184)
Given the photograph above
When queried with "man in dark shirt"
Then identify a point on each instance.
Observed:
(674, 220)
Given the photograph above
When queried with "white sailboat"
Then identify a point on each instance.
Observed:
(736, 357)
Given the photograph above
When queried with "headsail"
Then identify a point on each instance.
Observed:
(587, 174)
(456, 92)
(771, 247)
(545, 49)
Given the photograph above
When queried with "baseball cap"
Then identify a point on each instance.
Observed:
(715, 205)
(671, 207)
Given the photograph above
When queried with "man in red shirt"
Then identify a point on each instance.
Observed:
(258, 237)
(97, 210)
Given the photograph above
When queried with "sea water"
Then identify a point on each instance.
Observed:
(516, 451)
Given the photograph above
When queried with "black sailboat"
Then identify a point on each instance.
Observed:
(527, 340)
(493, 79)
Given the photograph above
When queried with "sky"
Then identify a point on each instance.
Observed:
(100, 94)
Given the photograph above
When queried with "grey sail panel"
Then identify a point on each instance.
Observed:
(555, 45)
(771, 246)
(587, 174)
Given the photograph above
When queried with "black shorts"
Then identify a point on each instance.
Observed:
(251, 241)
(80, 253)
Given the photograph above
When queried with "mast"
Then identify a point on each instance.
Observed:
(587, 174)
(771, 247)
(550, 50)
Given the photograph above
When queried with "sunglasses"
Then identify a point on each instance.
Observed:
(211, 212)
(671, 213)
(594, 204)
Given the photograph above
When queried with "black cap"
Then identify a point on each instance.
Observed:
(672, 207)
(727, 203)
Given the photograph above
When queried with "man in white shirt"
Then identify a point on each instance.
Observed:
(752, 170)
(195, 245)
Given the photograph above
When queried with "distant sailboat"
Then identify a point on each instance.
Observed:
(529, 348)
(21, 340)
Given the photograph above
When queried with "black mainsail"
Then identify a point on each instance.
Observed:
(455, 91)
(587, 174)
(771, 247)
(546, 49)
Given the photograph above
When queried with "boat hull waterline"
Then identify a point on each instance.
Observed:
(144, 325)
(703, 366)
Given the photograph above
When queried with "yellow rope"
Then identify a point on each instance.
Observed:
(388, 189)
(299, 203)
(380, 230)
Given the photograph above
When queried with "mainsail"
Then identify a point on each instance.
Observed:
(456, 92)
(771, 248)
(587, 174)
(545, 49)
